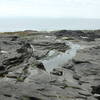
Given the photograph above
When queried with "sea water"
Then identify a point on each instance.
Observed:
(47, 24)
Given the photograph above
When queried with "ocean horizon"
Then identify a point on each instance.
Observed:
(47, 24)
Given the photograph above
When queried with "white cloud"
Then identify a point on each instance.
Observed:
(50, 8)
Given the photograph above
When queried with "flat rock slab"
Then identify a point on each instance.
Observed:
(23, 77)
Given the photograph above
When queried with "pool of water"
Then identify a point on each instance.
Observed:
(62, 58)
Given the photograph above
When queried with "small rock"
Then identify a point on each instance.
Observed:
(40, 65)
(57, 72)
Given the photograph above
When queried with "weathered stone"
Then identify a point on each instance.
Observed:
(23, 77)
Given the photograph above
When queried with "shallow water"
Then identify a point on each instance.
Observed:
(62, 58)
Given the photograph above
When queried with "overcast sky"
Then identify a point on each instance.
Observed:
(50, 8)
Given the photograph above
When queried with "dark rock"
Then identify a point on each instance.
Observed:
(13, 61)
(14, 38)
(29, 98)
(75, 76)
(2, 68)
(90, 36)
(40, 65)
(70, 66)
(57, 72)
(95, 89)
(79, 61)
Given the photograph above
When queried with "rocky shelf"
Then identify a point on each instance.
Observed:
(24, 76)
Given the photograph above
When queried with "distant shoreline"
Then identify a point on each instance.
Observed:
(94, 30)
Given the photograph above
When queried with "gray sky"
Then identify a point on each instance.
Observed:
(50, 8)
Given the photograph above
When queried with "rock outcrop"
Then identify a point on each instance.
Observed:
(24, 77)
(81, 35)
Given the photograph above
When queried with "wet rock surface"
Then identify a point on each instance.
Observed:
(24, 77)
